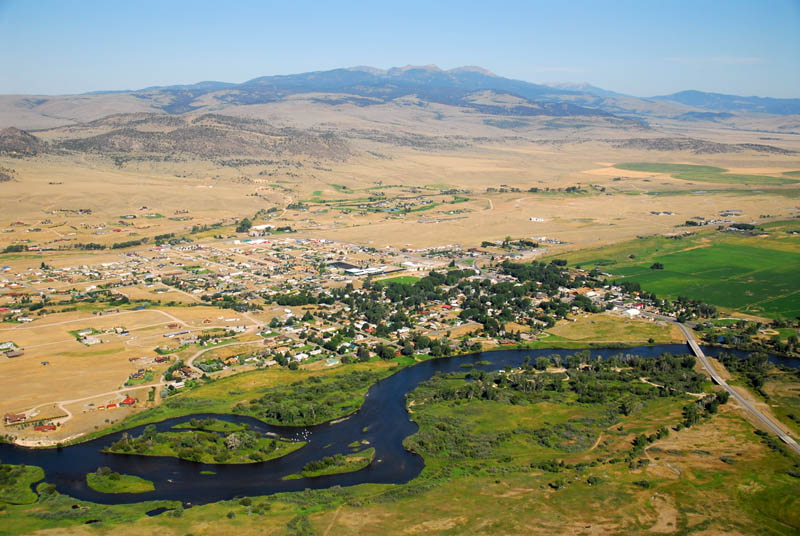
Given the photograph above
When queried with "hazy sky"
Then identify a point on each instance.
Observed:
(644, 47)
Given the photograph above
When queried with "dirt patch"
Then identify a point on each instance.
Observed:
(666, 512)
(435, 525)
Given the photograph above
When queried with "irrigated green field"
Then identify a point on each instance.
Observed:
(702, 173)
(744, 274)
(402, 279)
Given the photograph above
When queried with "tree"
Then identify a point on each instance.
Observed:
(244, 226)
(384, 351)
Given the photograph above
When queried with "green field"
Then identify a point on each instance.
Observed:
(737, 273)
(108, 482)
(702, 173)
(403, 280)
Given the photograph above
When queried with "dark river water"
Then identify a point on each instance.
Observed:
(383, 414)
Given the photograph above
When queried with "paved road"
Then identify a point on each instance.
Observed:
(763, 419)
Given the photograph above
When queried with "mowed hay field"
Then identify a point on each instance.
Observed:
(690, 172)
(740, 274)
(611, 328)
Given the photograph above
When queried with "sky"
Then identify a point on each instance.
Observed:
(642, 48)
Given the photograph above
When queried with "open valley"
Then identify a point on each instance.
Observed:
(412, 300)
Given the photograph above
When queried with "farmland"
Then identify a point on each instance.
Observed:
(748, 275)
(690, 172)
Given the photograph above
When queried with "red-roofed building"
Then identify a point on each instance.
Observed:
(128, 402)
(12, 418)
(45, 427)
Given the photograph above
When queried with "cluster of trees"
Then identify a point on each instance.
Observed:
(754, 370)
(744, 336)
(338, 463)
(418, 343)
(203, 228)
(613, 385)
(108, 473)
(88, 246)
(614, 382)
(244, 445)
(169, 373)
(324, 463)
(129, 243)
(702, 408)
(453, 437)
(223, 300)
(244, 225)
(9, 475)
(163, 238)
(313, 400)
(507, 300)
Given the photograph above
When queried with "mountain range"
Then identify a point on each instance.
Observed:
(453, 86)
(470, 89)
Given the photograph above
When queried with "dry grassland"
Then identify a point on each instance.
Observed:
(76, 370)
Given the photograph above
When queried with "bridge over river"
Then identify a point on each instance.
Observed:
(768, 423)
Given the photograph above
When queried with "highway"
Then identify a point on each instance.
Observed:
(763, 419)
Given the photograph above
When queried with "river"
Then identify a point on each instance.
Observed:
(383, 415)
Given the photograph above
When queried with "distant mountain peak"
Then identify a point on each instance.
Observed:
(400, 70)
(583, 87)
(368, 69)
(471, 69)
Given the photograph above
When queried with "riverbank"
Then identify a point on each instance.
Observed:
(538, 449)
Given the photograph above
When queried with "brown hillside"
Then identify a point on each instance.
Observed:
(17, 142)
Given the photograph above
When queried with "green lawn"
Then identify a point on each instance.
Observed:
(702, 173)
(117, 483)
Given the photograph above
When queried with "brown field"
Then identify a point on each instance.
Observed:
(608, 327)
(75, 370)
(538, 157)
